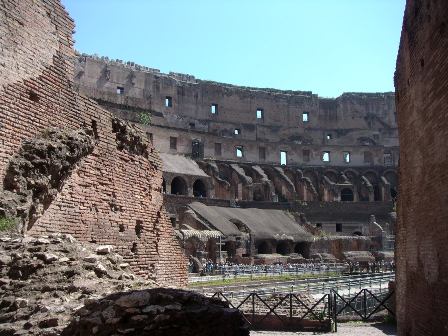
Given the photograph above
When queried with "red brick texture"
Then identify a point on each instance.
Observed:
(421, 82)
(111, 190)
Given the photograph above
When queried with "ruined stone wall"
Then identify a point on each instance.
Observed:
(337, 245)
(112, 195)
(356, 122)
(421, 83)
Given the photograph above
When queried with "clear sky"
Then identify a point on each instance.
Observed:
(324, 46)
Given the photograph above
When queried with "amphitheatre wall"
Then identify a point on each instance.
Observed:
(421, 83)
(268, 120)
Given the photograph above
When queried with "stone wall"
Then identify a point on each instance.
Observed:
(111, 196)
(337, 245)
(421, 83)
(354, 122)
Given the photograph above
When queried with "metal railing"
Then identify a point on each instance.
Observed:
(365, 304)
(295, 311)
(284, 312)
(347, 283)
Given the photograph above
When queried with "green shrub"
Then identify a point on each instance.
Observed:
(144, 118)
(7, 224)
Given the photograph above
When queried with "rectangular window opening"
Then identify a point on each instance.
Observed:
(173, 143)
(346, 156)
(120, 90)
(214, 109)
(150, 136)
(260, 114)
(262, 153)
(283, 158)
(168, 101)
(338, 227)
(388, 160)
(218, 149)
(239, 151)
(306, 155)
(329, 136)
(305, 116)
(237, 131)
(326, 156)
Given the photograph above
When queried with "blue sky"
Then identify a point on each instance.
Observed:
(324, 46)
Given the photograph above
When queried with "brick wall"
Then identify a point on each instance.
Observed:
(111, 190)
(421, 81)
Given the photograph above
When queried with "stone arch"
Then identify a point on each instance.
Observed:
(373, 178)
(392, 177)
(302, 248)
(283, 247)
(179, 186)
(163, 185)
(351, 174)
(192, 246)
(332, 175)
(240, 225)
(347, 195)
(199, 188)
(264, 247)
(312, 177)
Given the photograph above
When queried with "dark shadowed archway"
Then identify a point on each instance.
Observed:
(163, 186)
(284, 248)
(303, 249)
(179, 186)
(264, 248)
(199, 189)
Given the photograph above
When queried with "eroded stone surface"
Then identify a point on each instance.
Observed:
(42, 285)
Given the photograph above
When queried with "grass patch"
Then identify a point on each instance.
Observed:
(7, 224)
(262, 278)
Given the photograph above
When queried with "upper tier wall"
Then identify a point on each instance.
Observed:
(351, 119)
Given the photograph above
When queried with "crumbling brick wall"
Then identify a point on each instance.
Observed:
(421, 81)
(112, 195)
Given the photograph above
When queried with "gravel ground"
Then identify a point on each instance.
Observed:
(344, 329)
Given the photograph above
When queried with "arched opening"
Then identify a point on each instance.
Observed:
(393, 193)
(258, 195)
(332, 176)
(163, 186)
(178, 186)
(376, 193)
(283, 248)
(263, 248)
(303, 249)
(199, 189)
(346, 195)
(230, 249)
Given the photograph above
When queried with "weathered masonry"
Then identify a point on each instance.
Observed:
(226, 146)
(421, 82)
(68, 165)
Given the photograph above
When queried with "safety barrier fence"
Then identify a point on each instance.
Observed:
(300, 312)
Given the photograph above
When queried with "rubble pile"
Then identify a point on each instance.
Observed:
(44, 280)
(157, 312)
